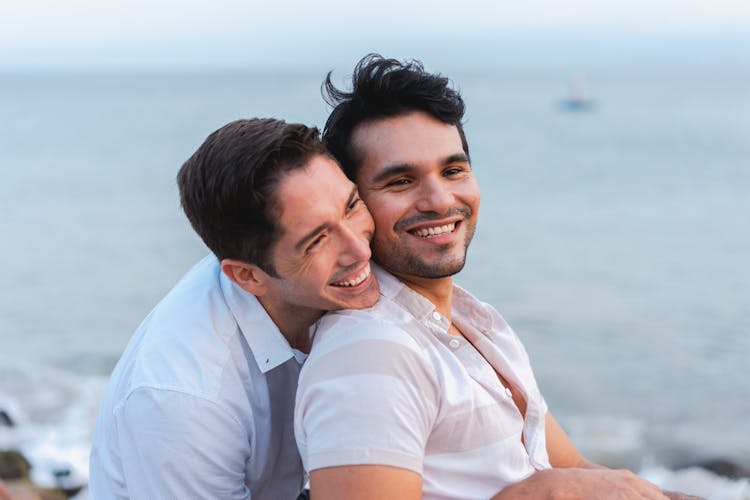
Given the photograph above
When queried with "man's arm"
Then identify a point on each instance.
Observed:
(365, 482)
(572, 478)
(561, 450)
(371, 482)
(580, 484)
(175, 445)
(370, 402)
(575, 477)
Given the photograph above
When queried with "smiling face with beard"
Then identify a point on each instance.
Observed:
(417, 182)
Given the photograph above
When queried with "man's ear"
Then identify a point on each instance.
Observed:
(249, 277)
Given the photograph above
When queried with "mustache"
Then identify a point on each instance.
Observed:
(464, 212)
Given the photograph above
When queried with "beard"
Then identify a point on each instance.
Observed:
(402, 257)
(413, 265)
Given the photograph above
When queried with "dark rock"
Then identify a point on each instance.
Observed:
(13, 465)
(26, 490)
(5, 419)
(721, 467)
(65, 482)
(50, 494)
(14, 476)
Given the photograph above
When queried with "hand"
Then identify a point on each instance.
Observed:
(584, 484)
(674, 495)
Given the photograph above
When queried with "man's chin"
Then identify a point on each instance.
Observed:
(370, 298)
(363, 300)
(423, 269)
(435, 274)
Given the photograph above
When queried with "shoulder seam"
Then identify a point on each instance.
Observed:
(143, 388)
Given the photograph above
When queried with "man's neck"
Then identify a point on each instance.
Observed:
(439, 291)
(292, 321)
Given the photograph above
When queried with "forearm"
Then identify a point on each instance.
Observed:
(578, 483)
(531, 487)
(584, 463)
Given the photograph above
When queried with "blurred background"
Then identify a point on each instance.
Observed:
(611, 140)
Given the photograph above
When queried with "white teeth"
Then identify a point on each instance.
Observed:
(431, 232)
(356, 281)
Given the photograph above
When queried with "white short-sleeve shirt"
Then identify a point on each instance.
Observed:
(201, 403)
(390, 386)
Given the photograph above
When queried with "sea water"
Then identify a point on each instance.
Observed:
(615, 240)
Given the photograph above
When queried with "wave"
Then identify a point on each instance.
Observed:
(51, 415)
(50, 420)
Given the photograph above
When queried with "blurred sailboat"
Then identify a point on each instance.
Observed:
(578, 96)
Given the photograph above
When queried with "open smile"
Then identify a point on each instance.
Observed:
(433, 231)
(439, 231)
(425, 227)
(357, 280)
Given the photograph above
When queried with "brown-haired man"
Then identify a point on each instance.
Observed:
(200, 404)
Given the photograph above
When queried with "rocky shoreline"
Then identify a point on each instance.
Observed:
(711, 477)
(16, 484)
(19, 482)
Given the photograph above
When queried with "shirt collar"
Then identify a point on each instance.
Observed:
(394, 289)
(464, 303)
(268, 345)
(469, 309)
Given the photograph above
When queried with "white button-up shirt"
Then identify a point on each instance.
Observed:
(201, 403)
(390, 386)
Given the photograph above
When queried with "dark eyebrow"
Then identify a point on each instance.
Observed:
(310, 235)
(392, 171)
(405, 168)
(457, 158)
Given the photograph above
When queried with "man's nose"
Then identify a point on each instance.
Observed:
(356, 245)
(435, 196)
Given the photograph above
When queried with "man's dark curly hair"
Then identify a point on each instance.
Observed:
(385, 88)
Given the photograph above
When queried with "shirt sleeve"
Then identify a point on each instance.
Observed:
(176, 445)
(366, 397)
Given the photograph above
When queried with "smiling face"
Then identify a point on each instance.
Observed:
(417, 182)
(322, 257)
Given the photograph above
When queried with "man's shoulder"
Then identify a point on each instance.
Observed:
(383, 320)
(484, 315)
(197, 293)
(184, 344)
(368, 335)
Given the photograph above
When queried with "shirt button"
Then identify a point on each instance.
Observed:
(454, 343)
(436, 315)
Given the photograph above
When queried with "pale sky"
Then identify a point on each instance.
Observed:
(232, 32)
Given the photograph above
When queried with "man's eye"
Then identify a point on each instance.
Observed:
(355, 203)
(401, 181)
(453, 171)
(315, 243)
